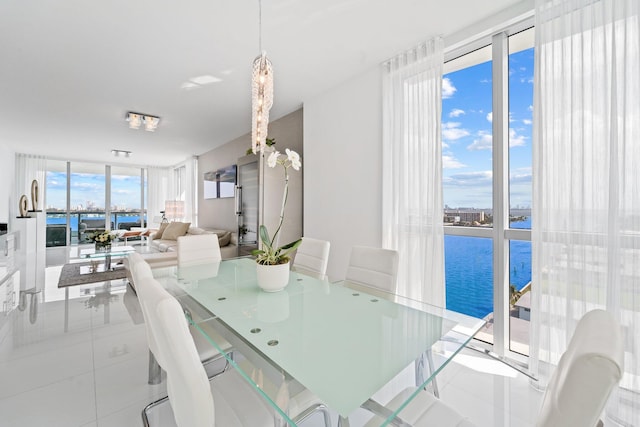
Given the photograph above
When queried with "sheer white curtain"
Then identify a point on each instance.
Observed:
(160, 187)
(586, 217)
(190, 191)
(28, 168)
(412, 170)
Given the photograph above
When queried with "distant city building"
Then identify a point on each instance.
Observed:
(458, 216)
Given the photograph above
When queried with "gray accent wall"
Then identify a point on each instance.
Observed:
(220, 213)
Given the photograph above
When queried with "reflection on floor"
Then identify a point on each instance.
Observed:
(82, 361)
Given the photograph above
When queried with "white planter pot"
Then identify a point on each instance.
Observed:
(273, 278)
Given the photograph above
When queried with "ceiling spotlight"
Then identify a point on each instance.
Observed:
(134, 119)
(123, 153)
(151, 123)
(137, 119)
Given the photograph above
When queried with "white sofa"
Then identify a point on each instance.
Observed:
(228, 241)
(167, 255)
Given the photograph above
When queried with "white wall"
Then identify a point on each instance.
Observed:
(287, 131)
(343, 145)
(220, 213)
(343, 168)
(7, 178)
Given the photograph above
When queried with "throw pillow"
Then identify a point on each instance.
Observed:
(160, 231)
(175, 230)
(225, 239)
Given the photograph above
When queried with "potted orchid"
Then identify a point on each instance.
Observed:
(272, 254)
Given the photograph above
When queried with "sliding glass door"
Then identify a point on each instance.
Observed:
(487, 156)
(83, 198)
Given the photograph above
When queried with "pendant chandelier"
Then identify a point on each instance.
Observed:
(261, 94)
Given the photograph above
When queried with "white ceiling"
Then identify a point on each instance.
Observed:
(71, 69)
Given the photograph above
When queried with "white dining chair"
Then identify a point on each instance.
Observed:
(198, 249)
(373, 267)
(576, 394)
(312, 257)
(194, 400)
(141, 271)
(375, 271)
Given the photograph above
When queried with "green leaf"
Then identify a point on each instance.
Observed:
(289, 247)
(264, 236)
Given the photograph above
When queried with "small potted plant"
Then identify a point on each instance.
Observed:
(273, 260)
(102, 240)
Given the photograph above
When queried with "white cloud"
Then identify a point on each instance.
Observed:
(456, 112)
(450, 162)
(490, 117)
(469, 179)
(527, 121)
(483, 142)
(485, 81)
(452, 131)
(520, 178)
(448, 89)
(530, 108)
(516, 140)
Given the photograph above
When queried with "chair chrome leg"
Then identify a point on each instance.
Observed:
(383, 412)
(145, 418)
(318, 407)
(343, 422)
(420, 374)
(434, 381)
(155, 371)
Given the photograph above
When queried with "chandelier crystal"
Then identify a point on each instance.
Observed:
(261, 93)
(261, 101)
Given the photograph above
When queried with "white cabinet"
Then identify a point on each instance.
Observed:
(9, 280)
(31, 249)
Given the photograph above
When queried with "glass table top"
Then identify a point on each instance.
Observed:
(114, 251)
(343, 344)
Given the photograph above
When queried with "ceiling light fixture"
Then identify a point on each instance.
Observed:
(150, 123)
(261, 93)
(137, 119)
(134, 120)
(123, 153)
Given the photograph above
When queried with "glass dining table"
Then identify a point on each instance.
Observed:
(339, 343)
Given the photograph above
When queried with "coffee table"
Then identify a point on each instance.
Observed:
(92, 254)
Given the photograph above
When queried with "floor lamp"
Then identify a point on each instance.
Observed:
(174, 209)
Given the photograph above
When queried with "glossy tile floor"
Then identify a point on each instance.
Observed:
(81, 360)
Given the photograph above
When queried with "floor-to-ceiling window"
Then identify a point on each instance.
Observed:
(84, 197)
(487, 184)
(126, 197)
(87, 200)
(56, 199)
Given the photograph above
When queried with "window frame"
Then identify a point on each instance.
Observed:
(501, 233)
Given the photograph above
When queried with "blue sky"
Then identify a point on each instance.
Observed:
(125, 190)
(466, 133)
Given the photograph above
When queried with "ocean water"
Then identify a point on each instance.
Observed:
(117, 219)
(469, 271)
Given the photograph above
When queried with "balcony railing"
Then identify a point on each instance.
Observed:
(83, 223)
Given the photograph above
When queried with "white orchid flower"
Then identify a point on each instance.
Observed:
(294, 158)
(272, 160)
